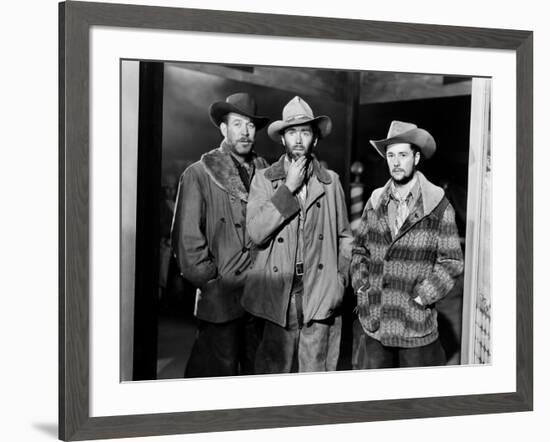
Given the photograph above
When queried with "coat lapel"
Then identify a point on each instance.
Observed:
(415, 215)
(319, 177)
(380, 206)
(315, 191)
(220, 167)
(429, 197)
(276, 171)
(382, 216)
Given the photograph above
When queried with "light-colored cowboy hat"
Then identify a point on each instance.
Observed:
(401, 132)
(240, 103)
(297, 112)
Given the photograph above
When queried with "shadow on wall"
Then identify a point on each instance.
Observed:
(188, 131)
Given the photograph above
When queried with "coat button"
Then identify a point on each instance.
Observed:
(320, 266)
(237, 225)
(222, 220)
(237, 272)
(280, 240)
(321, 236)
(275, 269)
(318, 204)
(244, 249)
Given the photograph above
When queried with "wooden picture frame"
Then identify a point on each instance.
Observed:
(75, 21)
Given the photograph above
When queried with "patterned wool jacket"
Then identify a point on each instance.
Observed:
(422, 260)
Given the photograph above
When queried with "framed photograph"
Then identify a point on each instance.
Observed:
(141, 96)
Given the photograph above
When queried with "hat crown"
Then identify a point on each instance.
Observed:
(243, 102)
(297, 109)
(402, 132)
(400, 127)
(296, 113)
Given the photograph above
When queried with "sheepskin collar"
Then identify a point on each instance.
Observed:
(430, 195)
(277, 171)
(220, 167)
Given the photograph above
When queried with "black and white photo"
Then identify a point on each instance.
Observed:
(236, 260)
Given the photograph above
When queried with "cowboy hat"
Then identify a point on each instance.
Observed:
(401, 132)
(239, 103)
(297, 112)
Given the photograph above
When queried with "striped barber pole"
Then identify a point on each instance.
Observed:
(356, 196)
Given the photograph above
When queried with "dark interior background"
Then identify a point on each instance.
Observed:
(188, 131)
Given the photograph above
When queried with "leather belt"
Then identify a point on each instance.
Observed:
(298, 291)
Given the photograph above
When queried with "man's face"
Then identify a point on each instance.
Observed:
(298, 141)
(402, 161)
(239, 132)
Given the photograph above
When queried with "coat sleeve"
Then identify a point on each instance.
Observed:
(448, 265)
(345, 237)
(360, 254)
(188, 232)
(266, 210)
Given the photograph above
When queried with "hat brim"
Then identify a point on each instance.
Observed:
(221, 108)
(323, 123)
(419, 137)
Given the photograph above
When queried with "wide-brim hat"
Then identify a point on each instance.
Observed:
(239, 103)
(402, 132)
(295, 113)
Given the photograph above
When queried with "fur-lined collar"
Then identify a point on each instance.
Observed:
(277, 171)
(220, 167)
(430, 193)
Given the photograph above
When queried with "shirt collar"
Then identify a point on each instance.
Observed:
(411, 194)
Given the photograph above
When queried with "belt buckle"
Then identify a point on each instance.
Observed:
(299, 269)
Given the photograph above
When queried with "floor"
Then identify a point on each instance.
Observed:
(177, 329)
(176, 332)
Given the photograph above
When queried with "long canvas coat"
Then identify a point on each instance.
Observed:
(272, 222)
(209, 236)
(423, 259)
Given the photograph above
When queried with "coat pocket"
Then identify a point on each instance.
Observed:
(211, 286)
(219, 301)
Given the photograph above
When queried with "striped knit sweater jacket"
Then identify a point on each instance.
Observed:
(423, 259)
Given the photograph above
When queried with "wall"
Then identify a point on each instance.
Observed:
(188, 131)
(28, 182)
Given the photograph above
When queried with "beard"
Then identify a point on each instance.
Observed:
(404, 179)
(294, 155)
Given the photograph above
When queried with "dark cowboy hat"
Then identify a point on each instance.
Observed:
(297, 112)
(240, 103)
(401, 132)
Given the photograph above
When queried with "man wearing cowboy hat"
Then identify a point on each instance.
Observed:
(296, 217)
(211, 244)
(406, 256)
